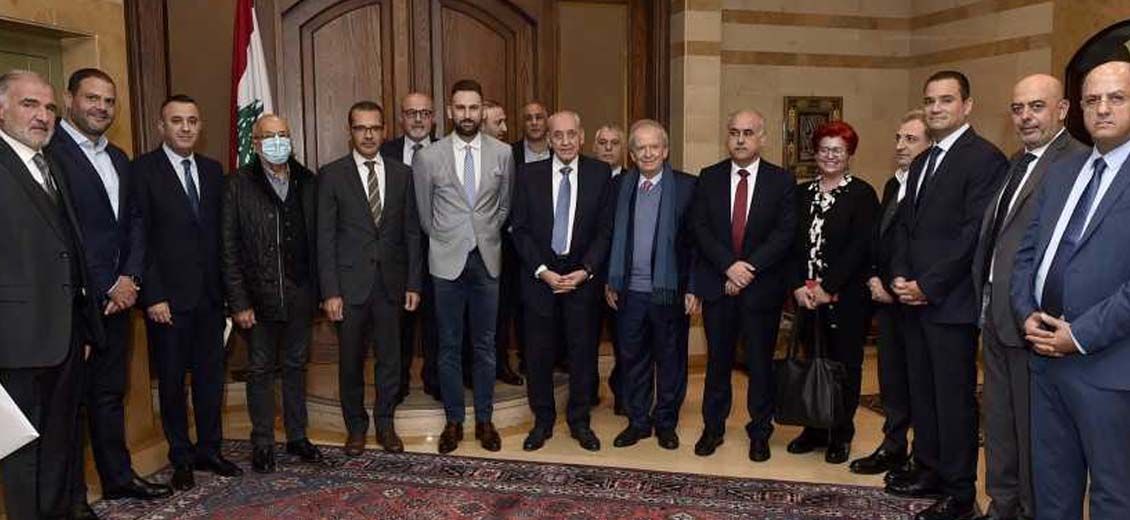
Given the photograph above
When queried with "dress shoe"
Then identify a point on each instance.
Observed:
(922, 483)
(451, 436)
(218, 465)
(507, 376)
(305, 450)
(488, 436)
(389, 440)
(586, 438)
(878, 462)
(902, 472)
(138, 488)
(837, 452)
(668, 439)
(759, 450)
(354, 444)
(263, 459)
(82, 511)
(629, 437)
(536, 439)
(182, 478)
(807, 442)
(706, 444)
(948, 508)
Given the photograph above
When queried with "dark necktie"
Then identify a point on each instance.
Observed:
(1015, 176)
(374, 192)
(738, 218)
(190, 187)
(48, 181)
(927, 175)
(1052, 300)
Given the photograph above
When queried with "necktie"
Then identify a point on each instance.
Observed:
(190, 187)
(469, 175)
(374, 192)
(415, 149)
(738, 219)
(1052, 300)
(561, 213)
(645, 187)
(1015, 175)
(48, 181)
(927, 175)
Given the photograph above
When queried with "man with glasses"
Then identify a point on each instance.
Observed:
(370, 267)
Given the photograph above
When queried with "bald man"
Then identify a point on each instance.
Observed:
(608, 146)
(534, 145)
(494, 120)
(417, 121)
(1038, 110)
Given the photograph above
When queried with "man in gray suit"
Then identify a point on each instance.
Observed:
(370, 266)
(463, 194)
(1038, 110)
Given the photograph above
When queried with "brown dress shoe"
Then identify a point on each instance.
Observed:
(389, 440)
(449, 439)
(488, 436)
(355, 444)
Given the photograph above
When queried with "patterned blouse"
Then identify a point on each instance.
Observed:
(818, 206)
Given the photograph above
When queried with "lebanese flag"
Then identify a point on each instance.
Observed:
(251, 89)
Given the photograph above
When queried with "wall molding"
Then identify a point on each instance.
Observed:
(862, 22)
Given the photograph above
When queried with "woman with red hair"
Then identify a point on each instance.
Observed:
(836, 213)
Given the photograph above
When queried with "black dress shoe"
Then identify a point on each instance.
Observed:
(389, 440)
(219, 465)
(586, 438)
(706, 444)
(305, 450)
(668, 439)
(263, 459)
(837, 452)
(880, 461)
(902, 472)
(138, 488)
(536, 439)
(488, 436)
(354, 444)
(82, 511)
(182, 478)
(759, 450)
(948, 508)
(507, 376)
(807, 442)
(629, 437)
(922, 483)
(451, 436)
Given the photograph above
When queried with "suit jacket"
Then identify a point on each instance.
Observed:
(182, 260)
(1096, 286)
(1012, 229)
(113, 246)
(395, 148)
(936, 238)
(455, 227)
(518, 148)
(353, 250)
(38, 290)
(847, 233)
(883, 240)
(532, 221)
(769, 232)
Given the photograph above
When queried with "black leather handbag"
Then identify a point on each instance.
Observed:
(809, 389)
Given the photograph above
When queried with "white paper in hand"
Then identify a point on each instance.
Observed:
(15, 429)
(227, 331)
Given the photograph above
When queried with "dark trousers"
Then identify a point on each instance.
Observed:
(476, 292)
(423, 320)
(509, 307)
(724, 319)
(39, 476)
(373, 324)
(894, 378)
(653, 344)
(265, 341)
(1008, 461)
(616, 376)
(943, 404)
(1079, 433)
(574, 318)
(844, 332)
(194, 342)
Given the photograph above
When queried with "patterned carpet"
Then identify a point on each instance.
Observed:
(416, 486)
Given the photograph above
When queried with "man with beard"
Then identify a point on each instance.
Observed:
(463, 195)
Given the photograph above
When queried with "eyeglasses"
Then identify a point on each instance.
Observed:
(418, 114)
(831, 152)
(268, 136)
(362, 129)
(1115, 100)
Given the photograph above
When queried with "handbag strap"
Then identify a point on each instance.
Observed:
(801, 319)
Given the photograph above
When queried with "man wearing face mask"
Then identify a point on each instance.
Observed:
(269, 277)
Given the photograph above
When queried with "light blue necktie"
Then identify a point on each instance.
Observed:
(469, 175)
(561, 213)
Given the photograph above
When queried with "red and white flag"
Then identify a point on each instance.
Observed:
(251, 89)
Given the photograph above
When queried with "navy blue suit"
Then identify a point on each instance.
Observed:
(1080, 404)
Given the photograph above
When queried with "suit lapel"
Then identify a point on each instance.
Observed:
(391, 186)
(88, 170)
(1050, 155)
(13, 164)
(943, 167)
(174, 177)
(1055, 203)
(486, 170)
(1110, 198)
(453, 168)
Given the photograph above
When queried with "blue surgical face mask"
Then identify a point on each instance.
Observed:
(276, 150)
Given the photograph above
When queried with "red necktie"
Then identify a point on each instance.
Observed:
(737, 220)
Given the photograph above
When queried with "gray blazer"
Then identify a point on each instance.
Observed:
(1006, 324)
(454, 229)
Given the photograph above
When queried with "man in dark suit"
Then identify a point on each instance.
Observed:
(534, 144)
(950, 186)
(608, 146)
(562, 228)
(745, 223)
(1038, 110)
(46, 332)
(179, 193)
(1071, 285)
(649, 285)
(114, 248)
(894, 375)
(370, 263)
(417, 120)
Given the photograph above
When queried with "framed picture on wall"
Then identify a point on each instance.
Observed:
(803, 115)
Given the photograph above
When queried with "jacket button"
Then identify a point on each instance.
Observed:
(64, 255)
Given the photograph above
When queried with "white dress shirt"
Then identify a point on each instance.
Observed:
(900, 177)
(409, 153)
(460, 146)
(25, 154)
(617, 170)
(99, 158)
(1038, 152)
(751, 181)
(945, 144)
(363, 172)
(175, 159)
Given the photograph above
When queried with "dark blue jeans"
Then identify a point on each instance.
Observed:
(653, 351)
(476, 292)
